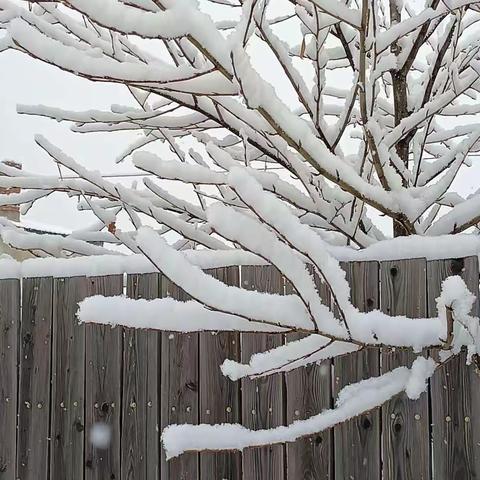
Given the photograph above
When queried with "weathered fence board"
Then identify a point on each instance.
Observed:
(34, 386)
(103, 364)
(9, 323)
(359, 437)
(58, 379)
(308, 392)
(179, 389)
(454, 389)
(406, 423)
(219, 396)
(262, 398)
(140, 438)
(68, 380)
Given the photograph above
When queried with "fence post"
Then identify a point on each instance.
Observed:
(9, 326)
(308, 392)
(219, 396)
(179, 389)
(34, 385)
(360, 437)
(68, 380)
(406, 423)
(140, 436)
(455, 389)
(263, 398)
(103, 374)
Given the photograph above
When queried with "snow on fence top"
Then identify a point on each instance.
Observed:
(431, 248)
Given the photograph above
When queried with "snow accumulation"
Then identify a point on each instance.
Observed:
(116, 264)
(223, 310)
(165, 314)
(29, 224)
(415, 246)
(311, 349)
(271, 308)
(352, 401)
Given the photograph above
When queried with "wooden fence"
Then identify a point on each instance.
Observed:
(57, 379)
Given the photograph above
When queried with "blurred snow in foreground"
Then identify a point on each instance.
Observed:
(100, 435)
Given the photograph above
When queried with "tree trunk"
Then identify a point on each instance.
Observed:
(399, 82)
(399, 230)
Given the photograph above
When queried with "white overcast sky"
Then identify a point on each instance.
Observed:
(27, 81)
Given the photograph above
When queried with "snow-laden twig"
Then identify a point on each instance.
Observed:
(352, 401)
(288, 312)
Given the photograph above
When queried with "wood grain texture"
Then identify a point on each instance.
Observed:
(34, 385)
(308, 392)
(68, 380)
(71, 376)
(455, 390)
(263, 398)
(179, 390)
(219, 396)
(406, 423)
(9, 326)
(472, 388)
(140, 407)
(359, 437)
(103, 376)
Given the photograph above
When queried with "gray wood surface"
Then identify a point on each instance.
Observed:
(406, 423)
(308, 392)
(454, 389)
(179, 390)
(71, 376)
(140, 407)
(472, 385)
(263, 398)
(9, 325)
(360, 437)
(34, 385)
(219, 396)
(103, 364)
(68, 380)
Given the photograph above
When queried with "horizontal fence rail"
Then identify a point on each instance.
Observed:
(59, 380)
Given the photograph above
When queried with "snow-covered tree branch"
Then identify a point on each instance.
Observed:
(374, 114)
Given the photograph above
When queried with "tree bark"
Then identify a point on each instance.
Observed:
(399, 82)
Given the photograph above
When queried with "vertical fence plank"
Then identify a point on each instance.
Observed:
(308, 392)
(472, 385)
(359, 437)
(179, 389)
(9, 324)
(103, 364)
(455, 417)
(140, 409)
(219, 396)
(406, 423)
(192, 389)
(263, 398)
(34, 387)
(68, 380)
